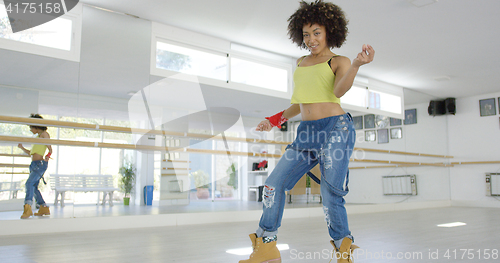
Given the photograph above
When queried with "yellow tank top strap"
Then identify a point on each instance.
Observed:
(302, 58)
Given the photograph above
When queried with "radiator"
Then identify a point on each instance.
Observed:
(493, 184)
(400, 185)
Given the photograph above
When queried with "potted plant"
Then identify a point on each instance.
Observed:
(127, 181)
(201, 182)
(233, 176)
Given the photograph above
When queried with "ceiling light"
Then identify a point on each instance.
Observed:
(421, 3)
(131, 93)
(248, 250)
(455, 224)
(442, 78)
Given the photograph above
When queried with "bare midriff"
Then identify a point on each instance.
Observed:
(316, 111)
(36, 157)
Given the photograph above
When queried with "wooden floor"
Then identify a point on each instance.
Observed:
(411, 234)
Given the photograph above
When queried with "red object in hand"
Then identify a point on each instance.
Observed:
(48, 155)
(277, 119)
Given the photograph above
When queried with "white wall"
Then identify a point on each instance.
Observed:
(428, 135)
(473, 138)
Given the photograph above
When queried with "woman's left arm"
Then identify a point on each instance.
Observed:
(345, 71)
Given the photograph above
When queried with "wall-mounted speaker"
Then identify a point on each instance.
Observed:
(450, 106)
(437, 108)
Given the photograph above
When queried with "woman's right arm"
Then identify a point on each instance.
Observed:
(24, 149)
(291, 112)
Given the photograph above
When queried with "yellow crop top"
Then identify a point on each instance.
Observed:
(38, 148)
(314, 84)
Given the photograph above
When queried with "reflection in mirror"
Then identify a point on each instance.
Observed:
(27, 88)
(111, 67)
(36, 76)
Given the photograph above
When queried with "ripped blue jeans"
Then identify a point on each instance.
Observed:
(37, 169)
(329, 142)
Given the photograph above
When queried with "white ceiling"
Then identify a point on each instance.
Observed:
(452, 38)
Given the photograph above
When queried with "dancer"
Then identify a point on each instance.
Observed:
(326, 134)
(38, 167)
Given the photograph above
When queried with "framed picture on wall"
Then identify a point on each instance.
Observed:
(370, 121)
(487, 107)
(396, 133)
(358, 122)
(370, 136)
(395, 122)
(410, 116)
(383, 136)
(381, 121)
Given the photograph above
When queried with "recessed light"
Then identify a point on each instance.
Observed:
(454, 224)
(131, 93)
(421, 3)
(248, 250)
(442, 78)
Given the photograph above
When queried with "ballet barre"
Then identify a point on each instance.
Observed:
(11, 165)
(14, 155)
(18, 139)
(107, 128)
(482, 162)
(399, 162)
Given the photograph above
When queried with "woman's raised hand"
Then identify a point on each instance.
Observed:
(365, 56)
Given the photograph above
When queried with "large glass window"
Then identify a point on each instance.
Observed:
(54, 34)
(191, 61)
(258, 74)
(59, 38)
(215, 65)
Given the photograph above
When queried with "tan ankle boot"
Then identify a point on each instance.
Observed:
(27, 212)
(344, 253)
(263, 252)
(44, 210)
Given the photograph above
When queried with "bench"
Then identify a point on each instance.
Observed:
(61, 183)
(12, 187)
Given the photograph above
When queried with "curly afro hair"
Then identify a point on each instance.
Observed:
(319, 12)
(37, 116)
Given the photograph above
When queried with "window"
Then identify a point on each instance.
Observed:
(191, 61)
(385, 102)
(371, 99)
(258, 74)
(54, 34)
(58, 38)
(356, 96)
(219, 63)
